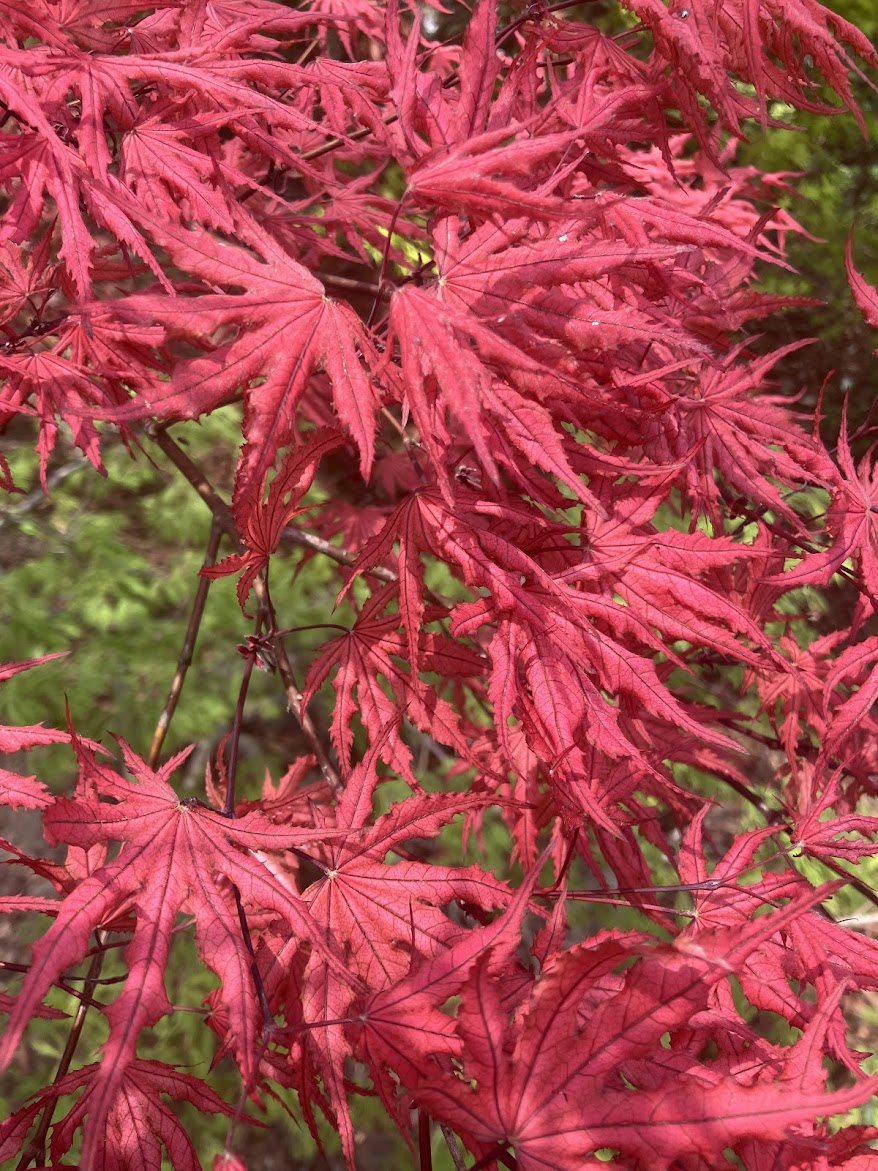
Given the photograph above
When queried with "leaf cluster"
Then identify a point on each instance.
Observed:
(469, 324)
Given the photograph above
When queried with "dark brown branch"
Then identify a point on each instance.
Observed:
(185, 660)
(36, 1148)
(226, 520)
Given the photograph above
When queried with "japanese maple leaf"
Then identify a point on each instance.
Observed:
(160, 161)
(16, 790)
(284, 328)
(517, 345)
(58, 386)
(408, 526)
(507, 168)
(657, 575)
(553, 648)
(526, 1083)
(551, 664)
(245, 87)
(481, 270)
(23, 276)
(261, 523)
(137, 1125)
(441, 114)
(819, 31)
(845, 835)
(792, 699)
(176, 856)
(505, 1100)
(254, 27)
(852, 520)
(686, 1107)
(715, 421)
(94, 362)
(402, 1028)
(368, 654)
(382, 913)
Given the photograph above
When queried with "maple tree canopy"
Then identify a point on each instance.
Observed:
(477, 286)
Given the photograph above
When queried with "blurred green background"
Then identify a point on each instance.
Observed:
(836, 194)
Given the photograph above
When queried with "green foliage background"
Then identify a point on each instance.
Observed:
(835, 177)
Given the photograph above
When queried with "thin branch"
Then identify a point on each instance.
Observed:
(36, 1148)
(453, 1148)
(294, 536)
(294, 694)
(425, 1147)
(223, 514)
(235, 737)
(185, 660)
(355, 286)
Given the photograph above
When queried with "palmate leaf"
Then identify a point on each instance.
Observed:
(262, 523)
(366, 662)
(716, 417)
(852, 521)
(138, 1124)
(23, 275)
(285, 329)
(58, 386)
(526, 1084)
(176, 856)
(401, 1027)
(657, 576)
(435, 350)
(389, 914)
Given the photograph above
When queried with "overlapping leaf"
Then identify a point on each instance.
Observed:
(176, 856)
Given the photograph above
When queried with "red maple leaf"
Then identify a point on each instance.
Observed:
(524, 1083)
(388, 911)
(136, 1124)
(390, 914)
(262, 522)
(852, 521)
(176, 856)
(285, 328)
(368, 654)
